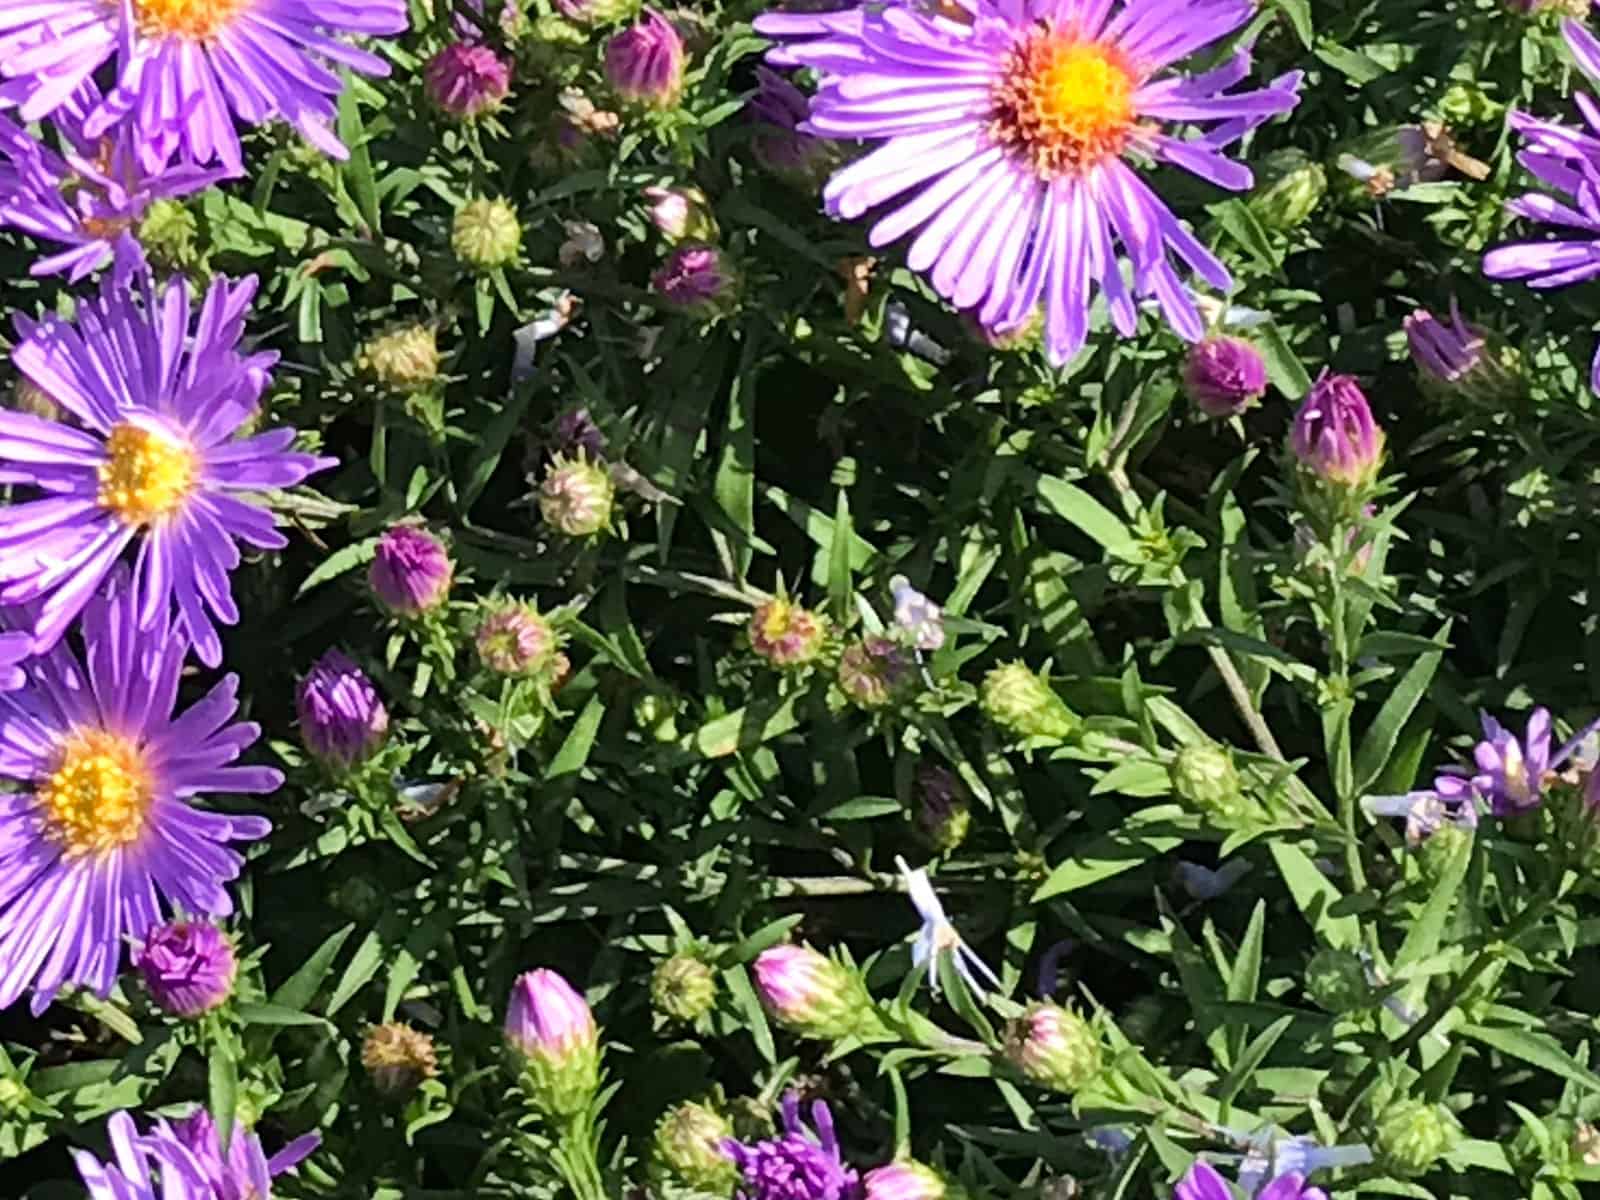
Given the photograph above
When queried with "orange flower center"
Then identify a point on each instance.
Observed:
(97, 798)
(147, 474)
(196, 20)
(1063, 103)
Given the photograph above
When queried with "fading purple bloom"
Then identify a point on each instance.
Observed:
(576, 431)
(1335, 436)
(1019, 191)
(91, 199)
(799, 1164)
(101, 834)
(1512, 774)
(694, 278)
(938, 937)
(916, 616)
(1447, 352)
(152, 460)
(1450, 800)
(185, 68)
(342, 720)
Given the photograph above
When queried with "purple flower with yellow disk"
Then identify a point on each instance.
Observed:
(102, 834)
(1007, 129)
(152, 462)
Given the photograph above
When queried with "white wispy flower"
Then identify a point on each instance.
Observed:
(937, 936)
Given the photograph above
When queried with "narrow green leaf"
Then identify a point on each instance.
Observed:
(755, 1019)
(1540, 1050)
(1246, 975)
(1381, 735)
(1315, 895)
(1139, 839)
(275, 1015)
(841, 589)
(579, 742)
(1251, 1057)
(1239, 223)
(223, 1076)
(1077, 507)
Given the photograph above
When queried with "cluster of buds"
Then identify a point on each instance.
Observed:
(813, 995)
(785, 634)
(411, 571)
(1053, 1046)
(553, 1034)
(1017, 700)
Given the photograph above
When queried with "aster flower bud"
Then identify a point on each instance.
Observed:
(945, 813)
(550, 1026)
(695, 279)
(1204, 776)
(1223, 376)
(411, 571)
(1335, 436)
(168, 233)
(467, 79)
(908, 1180)
(1455, 359)
(644, 63)
(342, 721)
(777, 109)
(683, 988)
(873, 672)
(1053, 1046)
(486, 234)
(785, 634)
(681, 214)
(188, 967)
(576, 496)
(1412, 1135)
(1289, 186)
(1336, 980)
(398, 1059)
(405, 359)
(1018, 701)
(813, 995)
(516, 640)
(688, 1146)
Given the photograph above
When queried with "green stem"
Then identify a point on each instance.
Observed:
(1440, 1008)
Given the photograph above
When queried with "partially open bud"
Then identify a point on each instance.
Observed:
(1204, 776)
(398, 1059)
(411, 571)
(683, 988)
(681, 214)
(1335, 436)
(486, 234)
(945, 812)
(873, 672)
(1412, 1135)
(644, 63)
(908, 1180)
(1289, 186)
(688, 1146)
(188, 967)
(1455, 359)
(342, 721)
(1017, 700)
(576, 497)
(550, 1026)
(1223, 376)
(811, 994)
(1053, 1046)
(1336, 981)
(467, 79)
(516, 640)
(785, 634)
(696, 279)
(405, 358)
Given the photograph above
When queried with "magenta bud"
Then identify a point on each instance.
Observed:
(644, 63)
(467, 79)
(1224, 376)
(551, 1027)
(342, 720)
(695, 279)
(410, 572)
(1335, 436)
(188, 967)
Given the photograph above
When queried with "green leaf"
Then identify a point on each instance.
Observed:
(1241, 225)
(1246, 975)
(223, 1076)
(1384, 732)
(1315, 896)
(579, 742)
(1140, 838)
(363, 965)
(1422, 939)
(1538, 1049)
(1299, 14)
(1077, 507)
(357, 169)
(1284, 368)
(734, 487)
(755, 1018)
(1252, 1057)
(275, 1015)
(841, 589)
(489, 445)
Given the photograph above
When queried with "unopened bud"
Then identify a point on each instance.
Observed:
(1017, 700)
(405, 359)
(398, 1059)
(908, 1180)
(576, 497)
(688, 1146)
(1412, 1135)
(813, 995)
(1289, 186)
(873, 672)
(551, 1028)
(945, 813)
(1336, 981)
(1203, 775)
(486, 234)
(785, 634)
(1053, 1046)
(683, 988)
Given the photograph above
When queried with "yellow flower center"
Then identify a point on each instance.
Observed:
(1063, 103)
(97, 799)
(147, 474)
(196, 20)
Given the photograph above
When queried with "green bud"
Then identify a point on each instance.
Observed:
(1336, 981)
(1053, 1046)
(1466, 104)
(1289, 186)
(1017, 700)
(1413, 1135)
(576, 497)
(486, 234)
(405, 359)
(683, 988)
(813, 995)
(688, 1146)
(1204, 776)
(1438, 850)
(168, 234)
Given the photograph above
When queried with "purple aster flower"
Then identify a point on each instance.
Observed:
(1335, 436)
(189, 1157)
(1447, 352)
(1276, 1166)
(15, 648)
(1007, 136)
(342, 720)
(90, 199)
(777, 109)
(546, 1016)
(185, 68)
(1451, 800)
(411, 571)
(797, 1165)
(103, 831)
(1567, 161)
(1202, 1182)
(158, 395)
(1511, 773)
(188, 966)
